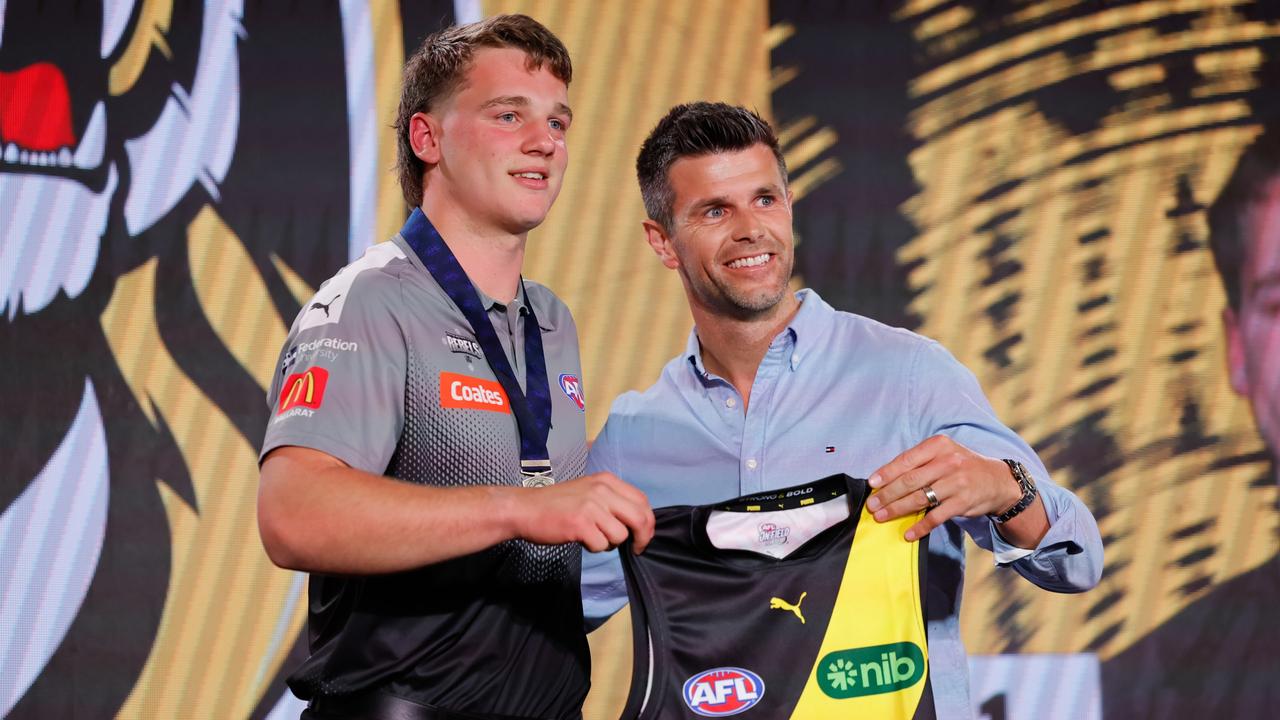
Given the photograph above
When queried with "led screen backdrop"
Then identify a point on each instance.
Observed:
(1026, 182)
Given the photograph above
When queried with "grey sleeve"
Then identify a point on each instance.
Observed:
(339, 386)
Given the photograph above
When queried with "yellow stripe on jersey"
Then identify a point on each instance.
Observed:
(874, 660)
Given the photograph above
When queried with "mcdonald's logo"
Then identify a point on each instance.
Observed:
(304, 389)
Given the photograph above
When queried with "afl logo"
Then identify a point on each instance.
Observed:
(572, 388)
(723, 691)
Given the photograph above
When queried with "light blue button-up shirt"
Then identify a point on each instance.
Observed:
(835, 393)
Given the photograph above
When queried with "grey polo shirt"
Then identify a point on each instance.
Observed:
(382, 371)
(396, 373)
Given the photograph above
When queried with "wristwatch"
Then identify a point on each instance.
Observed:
(1028, 492)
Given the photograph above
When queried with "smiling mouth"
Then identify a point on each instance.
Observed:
(530, 175)
(753, 261)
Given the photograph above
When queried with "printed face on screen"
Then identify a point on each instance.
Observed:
(731, 237)
(1253, 334)
(500, 154)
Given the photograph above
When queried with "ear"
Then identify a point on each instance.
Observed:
(1237, 372)
(661, 244)
(424, 137)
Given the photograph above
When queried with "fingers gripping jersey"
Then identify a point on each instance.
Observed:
(789, 604)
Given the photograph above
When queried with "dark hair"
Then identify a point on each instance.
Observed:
(438, 67)
(693, 130)
(1258, 165)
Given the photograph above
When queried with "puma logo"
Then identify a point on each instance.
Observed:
(777, 603)
(324, 306)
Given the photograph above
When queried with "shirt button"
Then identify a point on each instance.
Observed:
(731, 402)
(751, 464)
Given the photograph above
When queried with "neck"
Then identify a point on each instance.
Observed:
(491, 258)
(733, 347)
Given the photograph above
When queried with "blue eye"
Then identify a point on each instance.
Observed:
(507, 117)
(557, 124)
(715, 213)
(768, 200)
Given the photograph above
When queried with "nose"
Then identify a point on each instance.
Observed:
(539, 141)
(748, 228)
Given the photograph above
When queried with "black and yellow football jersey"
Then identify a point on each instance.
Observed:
(788, 604)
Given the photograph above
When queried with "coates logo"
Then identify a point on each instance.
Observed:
(572, 387)
(723, 691)
(303, 390)
(460, 391)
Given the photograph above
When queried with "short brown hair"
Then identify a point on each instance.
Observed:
(434, 72)
(694, 130)
(1258, 165)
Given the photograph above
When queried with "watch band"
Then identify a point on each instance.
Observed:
(1029, 491)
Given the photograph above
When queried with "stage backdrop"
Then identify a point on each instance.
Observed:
(1025, 182)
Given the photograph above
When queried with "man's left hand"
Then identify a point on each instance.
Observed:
(965, 484)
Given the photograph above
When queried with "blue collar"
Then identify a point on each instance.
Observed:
(810, 322)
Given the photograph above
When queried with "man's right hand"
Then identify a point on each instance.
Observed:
(597, 511)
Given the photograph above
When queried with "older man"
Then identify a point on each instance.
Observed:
(777, 388)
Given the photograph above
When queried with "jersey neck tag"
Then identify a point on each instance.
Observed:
(776, 533)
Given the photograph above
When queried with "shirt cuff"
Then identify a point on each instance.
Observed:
(1005, 554)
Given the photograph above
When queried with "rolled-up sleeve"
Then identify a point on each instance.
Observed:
(1068, 559)
(950, 401)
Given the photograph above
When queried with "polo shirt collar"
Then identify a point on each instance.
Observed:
(809, 323)
(520, 302)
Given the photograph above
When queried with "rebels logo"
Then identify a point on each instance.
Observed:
(468, 393)
(572, 388)
(723, 691)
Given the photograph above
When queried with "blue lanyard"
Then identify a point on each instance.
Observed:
(532, 411)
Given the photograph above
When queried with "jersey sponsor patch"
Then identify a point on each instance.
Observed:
(871, 670)
(303, 391)
(323, 350)
(723, 691)
(464, 345)
(469, 393)
(572, 388)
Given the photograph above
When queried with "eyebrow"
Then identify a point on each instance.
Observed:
(522, 101)
(723, 200)
(708, 203)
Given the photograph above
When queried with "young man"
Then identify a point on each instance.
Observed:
(427, 420)
(1220, 656)
(776, 389)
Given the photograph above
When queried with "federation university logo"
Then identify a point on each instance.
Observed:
(572, 388)
(723, 691)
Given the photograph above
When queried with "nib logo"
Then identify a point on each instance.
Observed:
(871, 670)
